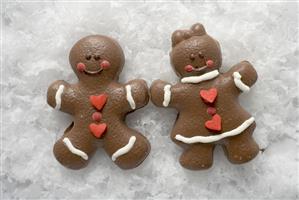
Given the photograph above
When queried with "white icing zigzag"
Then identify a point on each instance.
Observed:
(130, 97)
(214, 138)
(73, 149)
(124, 149)
(58, 97)
(167, 95)
(238, 82)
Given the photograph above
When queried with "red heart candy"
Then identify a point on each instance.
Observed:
(208, 95)
(98, 101)
(214, 124)
(97, 129)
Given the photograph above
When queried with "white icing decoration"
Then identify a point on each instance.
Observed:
(204, 77)
(238, 82)
(73, 149)
(58, 96)
(214, 138)
(129, 97)
(167, 95)
(124, 149)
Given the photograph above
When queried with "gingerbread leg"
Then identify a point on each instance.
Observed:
(74, 149)
(126, 147)
(241, 148)
(198, 156)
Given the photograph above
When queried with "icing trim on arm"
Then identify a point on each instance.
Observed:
(124, 149)
(58, 97)
(198, 79)
(167, 95)
(73, 149)
(130, 97)
(215, 138)
(238, 82)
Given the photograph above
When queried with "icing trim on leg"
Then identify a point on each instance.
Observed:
(238, 82)
(58, 97)
(73, 149)
(167, 95)
(214, 138)
(130, 97)
(124, 149)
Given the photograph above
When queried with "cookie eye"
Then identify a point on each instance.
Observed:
(200, 54)
(97, 57)
(192, 56)
(88, 57)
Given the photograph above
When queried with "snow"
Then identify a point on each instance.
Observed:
(37, 37)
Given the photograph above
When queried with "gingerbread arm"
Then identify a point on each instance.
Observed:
(136, 94)
(164, 94)
(243, 75)
(61, 96)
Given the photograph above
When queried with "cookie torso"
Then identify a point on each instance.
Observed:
(193, 110)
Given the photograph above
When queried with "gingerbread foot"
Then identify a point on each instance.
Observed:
(197, 157)
(127, 151)
(242, 148)
(74, 150)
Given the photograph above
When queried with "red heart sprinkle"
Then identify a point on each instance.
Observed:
(214, 124)
(208, 96)
(211, 111)
(98, 101)
(97, 129)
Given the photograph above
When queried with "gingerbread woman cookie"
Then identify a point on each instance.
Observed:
(207, 101)
(99, 105)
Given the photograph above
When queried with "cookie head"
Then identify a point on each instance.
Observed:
(96, 57)
(194, 52)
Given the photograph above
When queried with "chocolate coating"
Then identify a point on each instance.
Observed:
(192, 116)
(75, 100)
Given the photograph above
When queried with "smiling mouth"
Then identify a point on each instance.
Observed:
(200, 68)
(93, 72)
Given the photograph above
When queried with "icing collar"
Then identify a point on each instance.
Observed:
(198, 79)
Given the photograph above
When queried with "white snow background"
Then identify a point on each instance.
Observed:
(36, 39)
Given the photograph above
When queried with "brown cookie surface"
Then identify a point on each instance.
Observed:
(99, 105)
(207, 101)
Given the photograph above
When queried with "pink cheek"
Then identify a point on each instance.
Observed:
(210, 63)
(81, 67)
(105, 64)
(188, 68)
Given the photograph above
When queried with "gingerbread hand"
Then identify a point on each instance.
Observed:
(164, 94)
(136, 94)
(244, 75)
(60, 96)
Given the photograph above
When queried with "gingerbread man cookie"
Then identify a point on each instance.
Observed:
(99, 105)
(207, 101)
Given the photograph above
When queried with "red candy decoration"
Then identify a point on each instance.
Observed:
(98, 101)
(208, 96)
(96, 116)
(97, 129)
(81, 67)
(211, 111)
(105, 64)
(214, 124)
(188, 68)
(210, 63)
